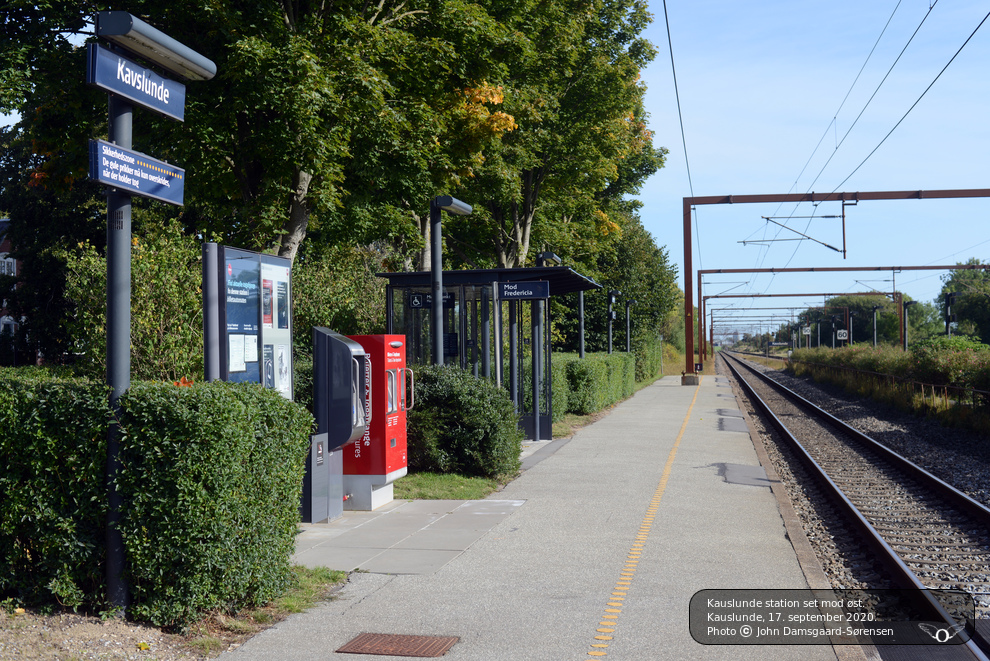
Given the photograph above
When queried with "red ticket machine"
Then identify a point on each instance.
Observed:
(376, 459)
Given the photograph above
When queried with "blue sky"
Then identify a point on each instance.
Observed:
(761, 83)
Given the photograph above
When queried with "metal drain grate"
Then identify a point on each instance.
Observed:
(384, 644)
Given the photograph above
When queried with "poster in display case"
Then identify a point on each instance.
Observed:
(252, 334)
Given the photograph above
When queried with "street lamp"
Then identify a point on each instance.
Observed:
(907, 304)
(458, 208)
(631, 301)
(612, 295)
(133, 34)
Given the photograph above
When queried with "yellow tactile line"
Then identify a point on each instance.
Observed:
(610, 618)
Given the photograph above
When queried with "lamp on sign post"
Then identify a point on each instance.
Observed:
(612, 295)
(458, 208)
(131, 33)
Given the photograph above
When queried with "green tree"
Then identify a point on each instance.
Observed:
(47, 218)
(972, 295)
(166, 306)
(573, 90)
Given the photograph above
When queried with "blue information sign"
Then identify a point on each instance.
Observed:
(135, 173)
(113, 73)
(524, 291)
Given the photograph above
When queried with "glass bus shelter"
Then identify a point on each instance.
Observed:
(494, 339)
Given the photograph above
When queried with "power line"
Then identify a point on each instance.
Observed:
(835, 116)
(951, 60)
(680, 117)
(865, 106)
(834, 124)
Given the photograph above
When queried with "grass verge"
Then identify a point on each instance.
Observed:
(217, 631)
(436, 486)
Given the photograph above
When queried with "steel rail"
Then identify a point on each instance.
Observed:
(902, 574)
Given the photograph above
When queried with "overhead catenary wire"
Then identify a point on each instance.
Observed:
(680, 117)
(931, 6)
(913, 105)
(833, 124)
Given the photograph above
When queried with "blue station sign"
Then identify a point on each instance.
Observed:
(135, 173)
(119, 75)
(524, 291)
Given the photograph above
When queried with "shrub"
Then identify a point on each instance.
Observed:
(561, 385)
(587, 380)
(53, 507)
(212, 478)
(647, 350)
(560, 389)
(955, 361)
(166, 306)
(600, 380)
(463, 425)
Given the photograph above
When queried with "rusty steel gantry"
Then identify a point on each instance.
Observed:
(689, 376)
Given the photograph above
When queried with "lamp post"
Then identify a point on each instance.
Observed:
(907, 304)
(538, 346)
(458, 208)
(630, 302)
(875, 308)
(612, 295)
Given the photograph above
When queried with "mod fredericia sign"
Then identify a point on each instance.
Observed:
(119, 75)
(524, 291)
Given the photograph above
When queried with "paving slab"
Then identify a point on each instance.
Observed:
(593, 552)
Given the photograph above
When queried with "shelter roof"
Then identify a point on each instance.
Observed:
(562, 279)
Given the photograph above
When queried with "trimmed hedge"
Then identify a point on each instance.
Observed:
(600, 380)
(211, 477)
(648, 351)
(462, 424)
(561, 384)
(54, 498)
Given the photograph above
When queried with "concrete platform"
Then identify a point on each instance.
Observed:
(593, 552)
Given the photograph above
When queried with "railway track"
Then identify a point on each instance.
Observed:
(928, 535)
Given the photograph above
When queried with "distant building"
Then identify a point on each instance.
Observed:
(8, 267)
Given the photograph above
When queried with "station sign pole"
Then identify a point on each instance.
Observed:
(118, 346)
(128, 173)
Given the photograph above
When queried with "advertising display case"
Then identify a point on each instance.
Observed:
(247, 321)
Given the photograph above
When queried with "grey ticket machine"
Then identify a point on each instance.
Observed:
(341, 394)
